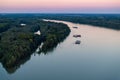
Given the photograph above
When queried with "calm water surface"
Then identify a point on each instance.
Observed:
(96, 58)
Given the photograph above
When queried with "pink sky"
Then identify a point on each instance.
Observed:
(60, 6)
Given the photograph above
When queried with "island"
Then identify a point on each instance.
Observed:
(21, 36)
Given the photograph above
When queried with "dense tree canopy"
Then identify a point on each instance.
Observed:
(18, 42)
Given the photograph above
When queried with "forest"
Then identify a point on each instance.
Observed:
(111, 21)
(18, 41)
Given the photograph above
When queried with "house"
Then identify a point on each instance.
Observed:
(22, 24)
(38, 32)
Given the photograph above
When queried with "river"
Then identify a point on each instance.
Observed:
(97, 57)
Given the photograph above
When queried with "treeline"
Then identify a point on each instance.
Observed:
(101, 20)
(19, 42)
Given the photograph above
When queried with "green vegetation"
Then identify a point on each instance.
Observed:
(4, 27)
(54, 35)
(18, 42)
(102, 20)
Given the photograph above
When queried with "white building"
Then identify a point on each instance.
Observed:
(38, 32)
(23, 24)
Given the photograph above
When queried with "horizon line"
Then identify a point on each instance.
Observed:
(54, 13)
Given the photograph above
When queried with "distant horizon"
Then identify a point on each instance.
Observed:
(52, 13)
(59, 12)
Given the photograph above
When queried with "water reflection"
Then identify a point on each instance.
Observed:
(13, 69)
(17, 66)
(46, 51)
(41, 51)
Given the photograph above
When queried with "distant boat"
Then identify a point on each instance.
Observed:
(77, 42)
(76, 36)
(75, 27)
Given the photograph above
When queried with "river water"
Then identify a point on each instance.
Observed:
(97, 57)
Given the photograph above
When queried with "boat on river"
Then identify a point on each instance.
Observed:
(76, 36)
(77, 42)
(75, 27)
